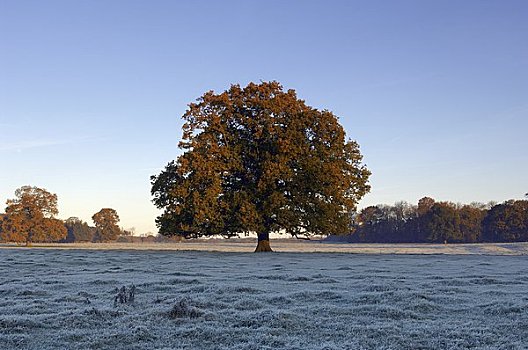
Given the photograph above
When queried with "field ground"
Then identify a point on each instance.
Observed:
(69, 299)
(300, 246)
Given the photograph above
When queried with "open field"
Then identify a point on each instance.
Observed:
(66, 299)
(293, 246)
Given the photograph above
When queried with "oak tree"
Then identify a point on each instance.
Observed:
(259, 160)
(30, 217)
(105, 221)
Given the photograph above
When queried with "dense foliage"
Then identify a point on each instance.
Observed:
(507, 222)
(258, 159)
(79, 231)
(105, 221)
(30, 217)
(439, 222)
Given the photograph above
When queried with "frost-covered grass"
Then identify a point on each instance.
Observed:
(66, 299)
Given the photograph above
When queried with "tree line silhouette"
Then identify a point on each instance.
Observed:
(30, 218)
(441, 222)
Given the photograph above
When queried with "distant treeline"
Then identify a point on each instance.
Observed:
(70, 231)
(441, 222)
(30, 217)
(78, 231)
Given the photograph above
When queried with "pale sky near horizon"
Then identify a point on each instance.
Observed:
(92, 92)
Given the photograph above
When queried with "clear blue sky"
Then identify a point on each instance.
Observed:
(91, 92)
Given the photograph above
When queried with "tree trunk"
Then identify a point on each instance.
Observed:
(263, 244)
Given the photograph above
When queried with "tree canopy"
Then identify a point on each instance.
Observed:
(30, 217)
(258, 159)
(507, 222)
(105, 221)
